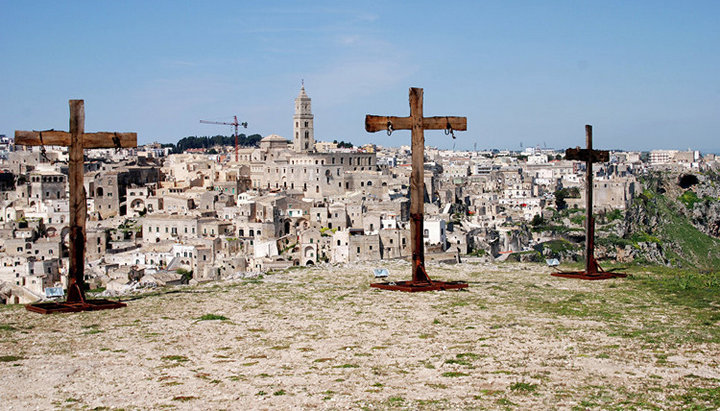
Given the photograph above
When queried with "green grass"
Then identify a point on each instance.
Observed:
(453, 374)
(684, 245)
(184, 398)
(10, 358)
(396, 401)
(523, 387)
(689, 198)
(212, 317)
(175, 358)
(7, 327)
(559, 246)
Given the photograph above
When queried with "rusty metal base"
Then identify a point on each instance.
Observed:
(416, 286)
(583, 275)
(73, 307)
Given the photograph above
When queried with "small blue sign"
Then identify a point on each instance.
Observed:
(54, 292)
(380, 272)
(552, 262)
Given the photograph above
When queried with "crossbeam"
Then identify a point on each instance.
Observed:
(77, 141)
(583, 154)
(417, 124)
(101, 139)
(378, 123)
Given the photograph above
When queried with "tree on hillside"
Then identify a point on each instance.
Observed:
(189, 142)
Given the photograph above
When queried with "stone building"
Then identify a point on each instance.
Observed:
(279, 165)
(46, 185)
(612, 194)
(163, 227)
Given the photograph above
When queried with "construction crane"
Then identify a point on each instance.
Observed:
(234, 123)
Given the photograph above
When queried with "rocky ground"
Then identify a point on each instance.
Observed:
(321, 338)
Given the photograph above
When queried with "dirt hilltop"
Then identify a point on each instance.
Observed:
(321, 338)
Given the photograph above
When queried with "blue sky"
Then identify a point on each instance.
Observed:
(645, 74)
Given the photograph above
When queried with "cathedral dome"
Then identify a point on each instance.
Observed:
(273, 138)
(273, 141)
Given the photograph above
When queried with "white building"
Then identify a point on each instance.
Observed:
(434, 232)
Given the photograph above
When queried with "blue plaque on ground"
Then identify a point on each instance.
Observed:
(54, 292)
(552, 262)
(380, 272)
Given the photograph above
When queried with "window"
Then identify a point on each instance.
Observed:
(358, 250)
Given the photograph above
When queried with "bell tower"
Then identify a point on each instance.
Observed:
(303, 130)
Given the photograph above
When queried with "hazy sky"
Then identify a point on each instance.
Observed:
(646, 74)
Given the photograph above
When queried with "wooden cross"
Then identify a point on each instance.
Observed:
(593, 271)
(77, 140)
(417, 123)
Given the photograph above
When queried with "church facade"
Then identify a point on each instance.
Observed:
(296, 167)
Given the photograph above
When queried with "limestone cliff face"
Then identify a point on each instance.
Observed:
(676, 220)
(702, 202)
(706, 217)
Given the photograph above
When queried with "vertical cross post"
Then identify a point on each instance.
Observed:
(78, 203)
(417, 186)
(77, 141)
(591, 265)
(417, 124)
(593, 271)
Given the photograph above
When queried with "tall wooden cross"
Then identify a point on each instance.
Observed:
(593, 271)
(417, 124)
(77, 141)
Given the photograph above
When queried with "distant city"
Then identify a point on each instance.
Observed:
(161, 218)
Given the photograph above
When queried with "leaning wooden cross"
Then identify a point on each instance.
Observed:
(593, 271)
(77, 140)
(417, 123)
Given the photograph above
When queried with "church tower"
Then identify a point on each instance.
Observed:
(304, 138)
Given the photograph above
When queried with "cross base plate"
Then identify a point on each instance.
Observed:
(416, 286)
(584, 275)
(73, 307)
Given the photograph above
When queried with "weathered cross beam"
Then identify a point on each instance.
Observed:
(593, 271)
(417, 123)
(77, 141)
